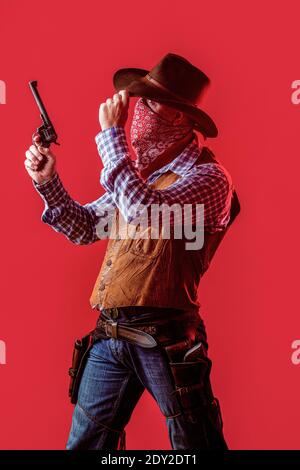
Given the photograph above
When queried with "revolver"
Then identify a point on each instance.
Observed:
(46, 131)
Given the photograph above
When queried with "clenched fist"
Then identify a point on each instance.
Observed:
(114, 112)
(34, 155)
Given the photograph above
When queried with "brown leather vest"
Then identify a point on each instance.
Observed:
(156, 272)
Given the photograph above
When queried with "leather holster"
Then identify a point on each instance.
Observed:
(80, 352)
(190, 369)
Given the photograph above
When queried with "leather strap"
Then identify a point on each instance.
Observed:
(115, 311)
(113, 329)
(149, 335)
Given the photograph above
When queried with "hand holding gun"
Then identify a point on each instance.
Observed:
(40, 161)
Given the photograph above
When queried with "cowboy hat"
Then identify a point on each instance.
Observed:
(173, 81)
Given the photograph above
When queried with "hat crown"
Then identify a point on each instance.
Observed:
(180, 77)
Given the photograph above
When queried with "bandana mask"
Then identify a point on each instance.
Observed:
(151, 135)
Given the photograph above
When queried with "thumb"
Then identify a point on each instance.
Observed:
(125, 97)
(38, 144)
(44, 150)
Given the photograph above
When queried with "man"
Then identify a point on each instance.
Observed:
(149, 333)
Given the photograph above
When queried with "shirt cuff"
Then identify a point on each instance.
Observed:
(52, 191)
(112, 144)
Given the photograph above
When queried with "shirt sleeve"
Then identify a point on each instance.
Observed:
(205, 185)
(81, 224)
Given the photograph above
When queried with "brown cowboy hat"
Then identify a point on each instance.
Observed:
(173, 81)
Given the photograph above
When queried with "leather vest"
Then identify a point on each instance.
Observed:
(156, 272)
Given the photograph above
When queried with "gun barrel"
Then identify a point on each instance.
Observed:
(39, 102)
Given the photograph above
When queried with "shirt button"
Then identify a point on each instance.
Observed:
(118, 237)
(102, 286)
(109, 262)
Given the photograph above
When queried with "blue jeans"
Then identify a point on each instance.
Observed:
(114, 378)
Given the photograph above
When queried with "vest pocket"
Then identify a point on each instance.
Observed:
(148, 247)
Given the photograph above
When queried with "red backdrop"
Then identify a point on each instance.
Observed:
(250, 295)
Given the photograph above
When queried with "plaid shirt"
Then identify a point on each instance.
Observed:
(208, 184)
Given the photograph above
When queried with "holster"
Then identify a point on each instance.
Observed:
(190, 368)
(80, 353)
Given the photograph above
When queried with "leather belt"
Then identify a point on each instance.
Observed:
(114, 329)
(113, 312)
(165, 331)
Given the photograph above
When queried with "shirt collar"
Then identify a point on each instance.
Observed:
(182, 163)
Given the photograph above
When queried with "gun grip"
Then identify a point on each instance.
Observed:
(42, 141)
(44, 144)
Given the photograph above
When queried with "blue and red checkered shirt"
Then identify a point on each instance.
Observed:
(208, 184)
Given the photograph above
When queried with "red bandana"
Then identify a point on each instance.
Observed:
(151, 134)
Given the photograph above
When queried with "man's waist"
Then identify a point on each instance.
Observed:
(162, 324)
(134, 312)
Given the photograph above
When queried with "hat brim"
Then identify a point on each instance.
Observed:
(132, 79)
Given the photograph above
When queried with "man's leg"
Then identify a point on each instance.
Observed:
(188, 429)
(108, 393)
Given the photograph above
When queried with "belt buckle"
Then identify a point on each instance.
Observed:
(111, 329)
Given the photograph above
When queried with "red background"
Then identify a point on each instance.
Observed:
(250, 295)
